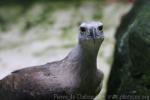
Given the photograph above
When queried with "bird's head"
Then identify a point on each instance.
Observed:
(91, 34)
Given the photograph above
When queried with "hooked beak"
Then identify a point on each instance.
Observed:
(92, 34)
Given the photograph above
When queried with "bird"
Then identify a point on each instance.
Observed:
(75, 77)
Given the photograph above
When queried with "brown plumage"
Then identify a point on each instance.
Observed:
(75, 77)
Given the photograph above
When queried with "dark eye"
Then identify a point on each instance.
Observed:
(82, 29)
(100, 28)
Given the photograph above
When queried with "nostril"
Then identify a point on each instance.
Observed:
(91, 34)
(82, 29)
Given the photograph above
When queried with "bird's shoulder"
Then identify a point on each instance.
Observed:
(27, 78)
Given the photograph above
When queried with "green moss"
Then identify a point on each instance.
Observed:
(146, 79)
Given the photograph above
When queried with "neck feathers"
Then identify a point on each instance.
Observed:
(84, 55)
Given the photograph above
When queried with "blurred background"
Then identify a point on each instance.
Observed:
(33, 32)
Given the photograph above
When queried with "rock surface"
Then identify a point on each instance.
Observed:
(130, 74)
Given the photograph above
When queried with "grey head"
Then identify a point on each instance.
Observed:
(91, 34)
